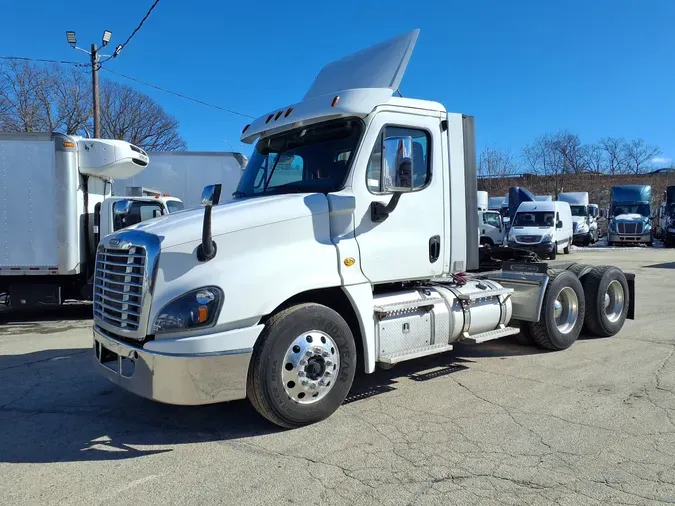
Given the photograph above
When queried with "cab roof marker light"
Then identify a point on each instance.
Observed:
(288, 112)
(269, 118)
(246, 128)
(335, 101)
(278, 115)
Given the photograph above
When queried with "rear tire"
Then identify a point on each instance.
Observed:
(562, 312)
(304, 351)
(607, 298)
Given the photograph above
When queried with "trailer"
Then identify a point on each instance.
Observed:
(55, 188)
(183, 174)
(362, 254)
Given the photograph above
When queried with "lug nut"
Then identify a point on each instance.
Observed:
(305, 383)
(327, 374)
(313, 386)
(321, 383)
(309, 353)
(303, 362)
(328, 363)
(325, 354)
(301, 373)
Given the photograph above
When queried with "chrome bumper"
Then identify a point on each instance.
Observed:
(183, 379)
(628, 238)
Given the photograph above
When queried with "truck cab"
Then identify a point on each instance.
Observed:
(351, 243)
(630, 215)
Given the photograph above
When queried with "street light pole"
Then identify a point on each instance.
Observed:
(95, 64)
(96, 97)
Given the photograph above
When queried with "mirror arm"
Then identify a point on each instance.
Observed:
(207, 249)
(380, 212)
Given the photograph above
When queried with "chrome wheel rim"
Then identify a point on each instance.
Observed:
(614, 301)
(566, 310)
(310, 367)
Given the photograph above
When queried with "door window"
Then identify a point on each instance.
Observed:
(491, 219)
(421, 163)
(139, 211)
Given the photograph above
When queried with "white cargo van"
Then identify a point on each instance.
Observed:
(542, 227)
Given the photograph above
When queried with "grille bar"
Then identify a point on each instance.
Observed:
(118, 287)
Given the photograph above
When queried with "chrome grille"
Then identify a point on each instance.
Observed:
(629, 228)
(118, 286)
(528, 239)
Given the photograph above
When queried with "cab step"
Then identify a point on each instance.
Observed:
(481, 294)
(424, 351)
(406, 305)
(489, 335)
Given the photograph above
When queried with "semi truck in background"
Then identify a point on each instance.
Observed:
(56, 193)
(489, 223)
(584, 217)
(630, 215)
(183, 174)
(667, 218)
(282, 293)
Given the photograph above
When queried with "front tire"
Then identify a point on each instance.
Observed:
(566, 249)
(554, 253)
(607, 298)
(302, 366)
(562, 312)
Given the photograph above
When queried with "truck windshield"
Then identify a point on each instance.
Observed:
(534, 219)
(306, 160)
(641, 209)
(174, 205)
(579, 210)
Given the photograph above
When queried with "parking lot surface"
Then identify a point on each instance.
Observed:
(499, 423)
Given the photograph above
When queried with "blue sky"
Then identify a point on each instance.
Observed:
(521, 67)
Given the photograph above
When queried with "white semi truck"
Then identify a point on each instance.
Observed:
(183, 174)
(55, 192)
(584, 217)
(307, 276)
(489, 223)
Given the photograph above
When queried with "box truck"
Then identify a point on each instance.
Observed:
(183, 174)
(584, 217)
(362, 254)
(630, 217)
(55, 191)
(489, 223)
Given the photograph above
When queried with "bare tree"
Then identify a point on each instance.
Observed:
(135, 117)
(493, 164)
(615, 157)
(638, 154)
(43, 99)
(594, 158)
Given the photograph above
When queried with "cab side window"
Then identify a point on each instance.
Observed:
(420, 156)
(491, 219)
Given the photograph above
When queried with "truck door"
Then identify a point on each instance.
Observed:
(491, 226)
(409, 243)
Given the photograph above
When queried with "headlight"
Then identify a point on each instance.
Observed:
(196, 309)
(583, 227)
(511, 235)
(547, 237)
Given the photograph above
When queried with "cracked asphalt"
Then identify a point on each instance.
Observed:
(494, 424)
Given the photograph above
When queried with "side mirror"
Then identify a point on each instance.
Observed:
(211, 195)
(397, 170)
(207, 249)
(396, 175)
(122, 207)
(559, 224)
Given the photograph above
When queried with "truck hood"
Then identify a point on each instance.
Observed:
(630, 217)
(186, 226)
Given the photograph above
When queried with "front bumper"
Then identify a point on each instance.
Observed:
(180, 378)
(628, 238)
(582, 238)
(544, 248)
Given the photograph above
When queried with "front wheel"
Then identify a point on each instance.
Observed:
(303, 366)
(566, 249)
(554, 253)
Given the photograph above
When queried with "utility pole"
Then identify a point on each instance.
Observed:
(95, 66)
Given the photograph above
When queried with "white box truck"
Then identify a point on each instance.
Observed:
(584, 217)
(54, 189)
(183, 174)
(489, 223)
(363, 253)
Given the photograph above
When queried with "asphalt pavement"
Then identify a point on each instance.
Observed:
(499, 423)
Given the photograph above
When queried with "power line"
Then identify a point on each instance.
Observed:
(42, 60)
(178, 94)
(117, 51)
